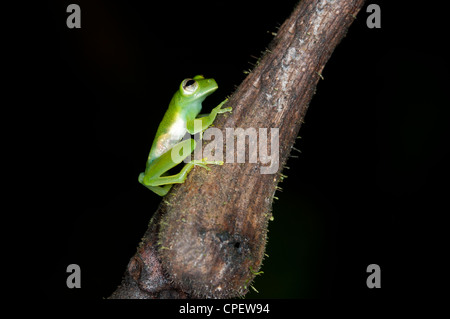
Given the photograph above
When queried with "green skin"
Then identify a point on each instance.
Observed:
(184, 108)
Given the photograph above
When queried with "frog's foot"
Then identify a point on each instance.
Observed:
(225, 110)
(204, 163)
(218, 109)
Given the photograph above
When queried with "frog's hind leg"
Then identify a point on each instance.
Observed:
(161, 165)
(154, 178)
(182, 175)
(160, 190)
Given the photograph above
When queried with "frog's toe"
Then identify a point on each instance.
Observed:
(226, 109)
(203, 165)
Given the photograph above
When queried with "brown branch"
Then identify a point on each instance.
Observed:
(208, 236)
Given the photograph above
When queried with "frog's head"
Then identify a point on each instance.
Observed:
(197, 88)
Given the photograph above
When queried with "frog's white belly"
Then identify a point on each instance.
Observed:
(174, 134)
(178, 129)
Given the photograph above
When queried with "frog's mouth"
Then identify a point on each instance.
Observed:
(207, 86)
(210, 91)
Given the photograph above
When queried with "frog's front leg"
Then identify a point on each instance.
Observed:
(154, 179)
(207, 120)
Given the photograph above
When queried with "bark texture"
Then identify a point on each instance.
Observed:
(208, 236)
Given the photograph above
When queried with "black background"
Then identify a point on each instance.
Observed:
(370, 185)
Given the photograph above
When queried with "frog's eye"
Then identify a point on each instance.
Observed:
(189, 86)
